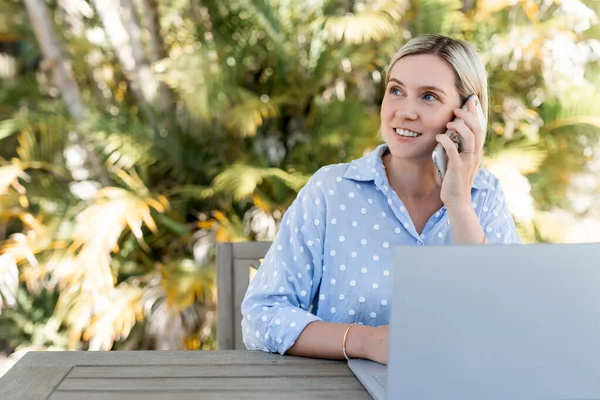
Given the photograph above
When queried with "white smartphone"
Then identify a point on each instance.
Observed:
(439, 156)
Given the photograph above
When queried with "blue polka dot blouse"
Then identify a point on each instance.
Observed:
(333, 255)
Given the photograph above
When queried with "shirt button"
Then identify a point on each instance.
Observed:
(420, 242)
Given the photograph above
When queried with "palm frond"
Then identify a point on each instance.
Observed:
(9, 177)
(42, 141)
(435, 16)
(100, 225)
(245, 118)
(115, 320)
(360, 28)
(318, 51)
(209, 94)
(75, 309)
(192, 192)
(172, 314)
(569, 110)
(9, 281)
(521, 156)
(8, 127)
(490, 7)
(86, 265)
(581, 120)
(134, 183)
(185, 280)
(124, 149)
(594, 30)
(229, 228)
(266, 18)
(241, 180)
(200, 81)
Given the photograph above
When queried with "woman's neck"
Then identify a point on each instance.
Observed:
(413, 180)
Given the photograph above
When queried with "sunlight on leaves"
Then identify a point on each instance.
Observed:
(523, 157)
(359, 28)
(582, 120)
(116, 318)
(439, 16)
(7, 128)
(9, 281)
(101, 224)
(111, 223)
(229, 228)
(85, 274)
(245, 118)
(9, 177)
(172, 325)
(241, 180)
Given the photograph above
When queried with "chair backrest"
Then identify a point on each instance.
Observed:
(234, 264)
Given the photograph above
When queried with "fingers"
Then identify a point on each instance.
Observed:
(471, 119)
(449, 146)
(466, 135)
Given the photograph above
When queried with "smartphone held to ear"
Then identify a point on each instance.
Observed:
(439, 156)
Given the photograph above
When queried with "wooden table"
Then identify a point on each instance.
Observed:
(197, 375)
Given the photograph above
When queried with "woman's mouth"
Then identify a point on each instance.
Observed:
(406, 133)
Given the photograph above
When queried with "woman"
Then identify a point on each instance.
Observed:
(324, 288)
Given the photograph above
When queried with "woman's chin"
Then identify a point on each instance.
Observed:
(409, 149)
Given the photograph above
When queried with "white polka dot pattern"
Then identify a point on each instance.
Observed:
(332, 258)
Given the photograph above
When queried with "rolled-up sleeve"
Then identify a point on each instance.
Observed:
(497, 222)
(277, 304)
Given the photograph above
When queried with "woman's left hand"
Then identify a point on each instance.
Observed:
(463, 166)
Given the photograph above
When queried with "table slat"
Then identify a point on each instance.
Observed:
(344, 394)
(206, 371)
(223, 375)
(292, 383)
(156, 357)
(25, 383)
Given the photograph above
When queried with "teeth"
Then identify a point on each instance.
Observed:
(404, 132)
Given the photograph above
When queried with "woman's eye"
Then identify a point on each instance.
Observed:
(395, 91)
(429, 97)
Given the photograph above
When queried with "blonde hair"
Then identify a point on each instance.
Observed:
(460, 55)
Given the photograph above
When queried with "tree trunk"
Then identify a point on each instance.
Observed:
(62, 75)
(130, 22)
(468, 5)
(157, 50)
(149, 10)
(120, 25)
(60, 66)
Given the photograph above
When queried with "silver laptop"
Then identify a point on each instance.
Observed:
(492, 322)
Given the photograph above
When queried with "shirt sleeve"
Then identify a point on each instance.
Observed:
(497, 222)
(276, 306)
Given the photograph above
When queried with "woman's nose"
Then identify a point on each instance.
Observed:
(407, 110)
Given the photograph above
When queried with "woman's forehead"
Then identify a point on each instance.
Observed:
(424, 70)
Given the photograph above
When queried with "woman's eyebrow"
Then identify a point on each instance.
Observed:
(434, 88)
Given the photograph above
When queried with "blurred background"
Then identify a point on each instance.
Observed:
(136, 134)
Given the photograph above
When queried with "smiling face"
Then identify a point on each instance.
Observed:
(419, 100)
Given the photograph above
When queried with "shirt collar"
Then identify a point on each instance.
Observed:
(365, 168)
(370, 166)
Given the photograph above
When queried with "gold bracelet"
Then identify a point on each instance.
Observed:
(344, 341)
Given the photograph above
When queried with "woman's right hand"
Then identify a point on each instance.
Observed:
(376, 344)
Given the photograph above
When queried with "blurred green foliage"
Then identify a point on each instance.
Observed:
(206, 119)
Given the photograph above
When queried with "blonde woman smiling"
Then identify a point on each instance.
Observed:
(324, 288)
